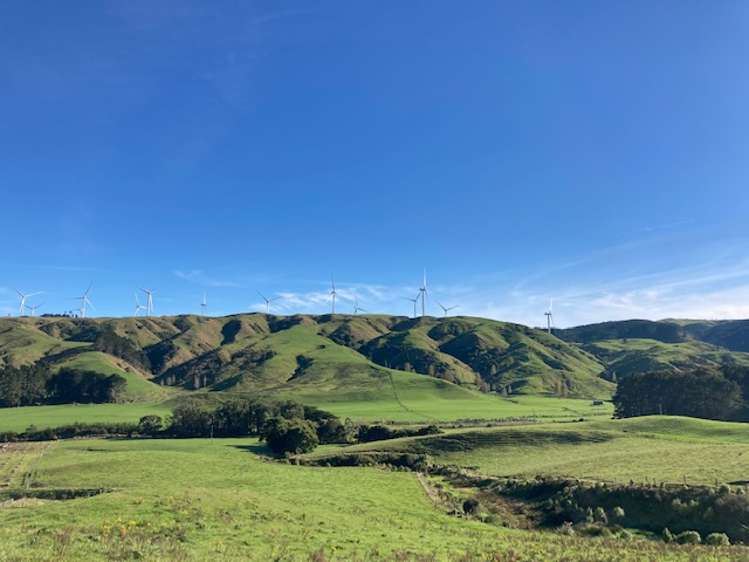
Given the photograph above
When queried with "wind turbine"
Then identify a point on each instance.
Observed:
(414, 301)
(22, 297)
(267, 301)
(446, 309)
(357, 308)
(149, 301)
(204, 304)
(85, 301)
(549, 316)
(33, 307)
(423, 294)
(332, 294)
(138, 307)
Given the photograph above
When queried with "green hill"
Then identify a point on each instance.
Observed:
(325, 358)
(636, 346)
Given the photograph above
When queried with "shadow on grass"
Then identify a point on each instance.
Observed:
(260, 449)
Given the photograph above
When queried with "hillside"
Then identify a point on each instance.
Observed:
(336, 357)
(636, 346)
(732, 335)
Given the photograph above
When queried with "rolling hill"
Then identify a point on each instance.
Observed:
(322, 358)
(636, 346)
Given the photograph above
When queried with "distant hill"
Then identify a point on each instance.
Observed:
(334, 355)
(634, 346)
(729, 334)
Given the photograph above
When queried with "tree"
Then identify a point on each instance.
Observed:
(150, 425)
(290, 436)
(699, 393)
(191, 419)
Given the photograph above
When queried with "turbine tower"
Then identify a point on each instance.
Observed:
(85, 301)
(33, 307)
(267, 301)
(549, 316)
(204, 304)
(423, 294)
(332, 295)
(414, 301)
(149, 301)
(446, 309)
(138, 307)
(357, 308)
(22, 298)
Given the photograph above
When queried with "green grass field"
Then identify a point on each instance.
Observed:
(18, 419)
(671, 450)
(165, 505)
(412, 408)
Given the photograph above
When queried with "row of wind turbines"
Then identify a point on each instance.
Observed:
(147, 308)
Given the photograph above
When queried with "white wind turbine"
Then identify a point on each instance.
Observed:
(22, 298)
(267, 301)
(423, 294)
(138, 307)
(333, 295)
(414, 301)
(549, 316)
(34, 307)
(446, 309)
(204, 304)
(357, 308)
(85, 302)
(149, 301)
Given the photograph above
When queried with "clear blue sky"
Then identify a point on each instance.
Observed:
(591, 152)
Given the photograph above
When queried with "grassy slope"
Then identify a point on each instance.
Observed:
(21, 343)
(138, 388)
(628, 356)
(244, 508)
(665, 449)
(258, 352)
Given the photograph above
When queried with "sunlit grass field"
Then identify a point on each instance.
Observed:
(221, 499)
(656, 449)
(410, 408)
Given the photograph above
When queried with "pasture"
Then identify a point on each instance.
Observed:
(163, 504)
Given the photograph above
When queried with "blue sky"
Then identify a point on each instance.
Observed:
(590, 152)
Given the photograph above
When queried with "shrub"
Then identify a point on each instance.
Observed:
(150, 425)
(667, 535)
(617, 513)
(717, 539)
(689, 537)
(471, 506)
(290, 436)
(191, 419)
(599, 515)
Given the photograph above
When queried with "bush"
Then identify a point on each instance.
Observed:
(150, 425)
(689, 537)
(617, 513)
(599, 515)
(471, 506)
(667, 535)
(293, 436)
(717, 539)
(191, 419)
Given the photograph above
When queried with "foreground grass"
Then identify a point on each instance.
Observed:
(219, 499)
(653, 449)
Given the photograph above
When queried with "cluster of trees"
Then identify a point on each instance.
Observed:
(287, 427)
(703, 393)
(36, 384)
(109, 342)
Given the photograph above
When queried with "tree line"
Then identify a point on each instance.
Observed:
(718, 394)
(37, 384)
